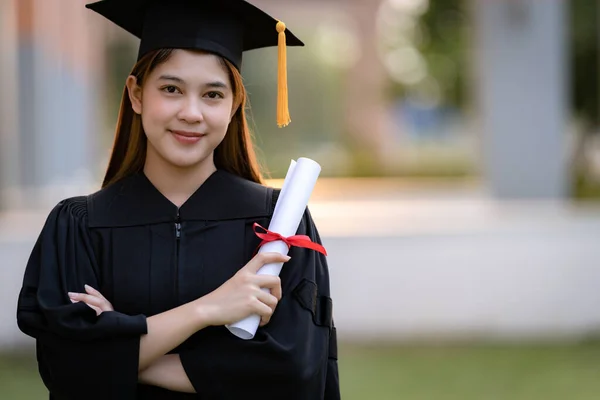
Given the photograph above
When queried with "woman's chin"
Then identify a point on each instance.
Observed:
(186, 162)
(177, 157)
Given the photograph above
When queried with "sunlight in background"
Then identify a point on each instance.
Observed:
(337, 41)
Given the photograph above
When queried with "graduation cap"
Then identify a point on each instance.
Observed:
(223, 27)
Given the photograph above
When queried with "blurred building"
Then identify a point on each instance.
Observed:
(52, 55)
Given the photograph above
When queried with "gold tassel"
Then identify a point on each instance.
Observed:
(283, 112)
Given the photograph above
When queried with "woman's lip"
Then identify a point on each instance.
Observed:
(185, 139)
(188, 134)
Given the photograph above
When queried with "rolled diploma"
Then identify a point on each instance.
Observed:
(297, 187)
(286, 181)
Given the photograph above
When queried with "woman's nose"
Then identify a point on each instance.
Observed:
(191, 111)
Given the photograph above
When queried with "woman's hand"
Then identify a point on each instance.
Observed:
(242, 295)
(93, 299)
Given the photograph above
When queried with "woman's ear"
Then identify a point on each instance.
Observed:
(234, 111)
(135, 94)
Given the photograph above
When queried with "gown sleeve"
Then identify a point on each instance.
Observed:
(79, 354)
(292, 357)
(332, 383)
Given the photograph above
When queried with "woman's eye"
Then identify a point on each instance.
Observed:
(214, 95)
(171, 89)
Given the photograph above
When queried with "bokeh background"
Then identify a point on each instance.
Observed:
(460, 147)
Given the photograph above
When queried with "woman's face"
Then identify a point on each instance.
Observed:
(186, 106)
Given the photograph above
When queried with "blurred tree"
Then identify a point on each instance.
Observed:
(120, 58)
(585, 65)
(367, 127)
(440, 39)
(585, 90)
(446, 50)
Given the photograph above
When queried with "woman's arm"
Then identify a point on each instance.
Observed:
(167, 373)
(234, 300)
(169, 329)
(165, 331)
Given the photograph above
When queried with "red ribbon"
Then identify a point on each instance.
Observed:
(296, 240)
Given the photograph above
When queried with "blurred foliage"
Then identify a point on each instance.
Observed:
(424, 372)
(363, 164)
(120, 59)
(448, 27)
(443, 43)
(585, 61)
(585, 91)
(585, 188)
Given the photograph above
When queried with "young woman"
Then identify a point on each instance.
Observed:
(127, 290)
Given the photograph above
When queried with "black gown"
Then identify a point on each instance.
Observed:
(147, 256)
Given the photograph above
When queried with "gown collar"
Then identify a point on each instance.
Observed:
(136, 201)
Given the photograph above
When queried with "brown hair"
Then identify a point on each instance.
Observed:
(235, 154)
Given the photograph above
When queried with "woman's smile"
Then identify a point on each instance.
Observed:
(186, 137)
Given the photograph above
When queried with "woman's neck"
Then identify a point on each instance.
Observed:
(175, 183)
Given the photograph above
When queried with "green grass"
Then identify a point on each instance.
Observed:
(19, 379)
(478, 372)
(471, 372)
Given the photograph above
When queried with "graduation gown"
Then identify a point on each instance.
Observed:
(147, 256)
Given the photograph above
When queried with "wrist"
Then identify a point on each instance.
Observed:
(203, 314)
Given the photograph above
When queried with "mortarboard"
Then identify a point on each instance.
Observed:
(223, 27)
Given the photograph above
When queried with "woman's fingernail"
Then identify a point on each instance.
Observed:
(73, 301)
(87, 287)
(72, 295)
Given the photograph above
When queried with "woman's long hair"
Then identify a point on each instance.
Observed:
(235, 154)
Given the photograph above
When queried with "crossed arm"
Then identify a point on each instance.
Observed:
(167, 372)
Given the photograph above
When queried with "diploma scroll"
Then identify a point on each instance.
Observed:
(297, 187)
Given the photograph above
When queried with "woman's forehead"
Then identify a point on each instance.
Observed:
(193, 66)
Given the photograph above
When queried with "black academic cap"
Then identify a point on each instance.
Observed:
(223, 27)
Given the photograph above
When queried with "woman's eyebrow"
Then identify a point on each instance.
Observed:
(217, 84)
(214, 84)
(171, 78)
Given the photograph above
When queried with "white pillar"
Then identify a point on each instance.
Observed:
(521, 63)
